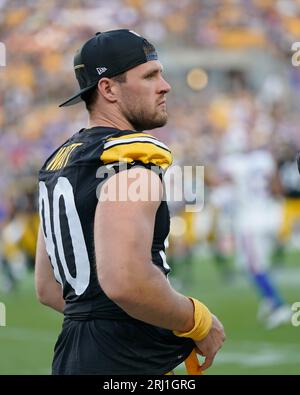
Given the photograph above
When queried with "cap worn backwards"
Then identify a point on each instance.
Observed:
(107, 55)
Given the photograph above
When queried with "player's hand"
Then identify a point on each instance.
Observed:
(211, 344)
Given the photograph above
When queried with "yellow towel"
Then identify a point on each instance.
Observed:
(192, 364)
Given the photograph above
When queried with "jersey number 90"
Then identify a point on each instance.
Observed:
(55, 245)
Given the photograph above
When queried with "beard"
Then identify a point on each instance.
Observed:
(143, 120)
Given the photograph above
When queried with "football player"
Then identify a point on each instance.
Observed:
(101, 249)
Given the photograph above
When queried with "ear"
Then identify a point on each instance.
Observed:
(107, 88)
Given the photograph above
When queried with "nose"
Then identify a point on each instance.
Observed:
(165, 87)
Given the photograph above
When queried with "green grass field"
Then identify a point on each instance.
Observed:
(27, 341)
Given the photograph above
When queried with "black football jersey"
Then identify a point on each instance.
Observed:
(68, 186)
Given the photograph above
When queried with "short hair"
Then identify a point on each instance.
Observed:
(90, 97)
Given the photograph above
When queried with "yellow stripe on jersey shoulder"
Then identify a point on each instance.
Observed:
(140, 147)
(130, 136)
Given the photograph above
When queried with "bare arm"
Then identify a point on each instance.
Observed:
(48, 291)
(123, 239)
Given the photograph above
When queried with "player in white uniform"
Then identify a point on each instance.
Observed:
(255, 220)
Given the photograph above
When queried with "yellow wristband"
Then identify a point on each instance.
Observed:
(203, 322)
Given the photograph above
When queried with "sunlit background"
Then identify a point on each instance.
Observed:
(234, 92)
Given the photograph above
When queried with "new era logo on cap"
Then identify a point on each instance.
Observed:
(101, 70)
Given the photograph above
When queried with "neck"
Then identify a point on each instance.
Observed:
(109, 120)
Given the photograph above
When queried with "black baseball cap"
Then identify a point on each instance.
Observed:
(108, 54)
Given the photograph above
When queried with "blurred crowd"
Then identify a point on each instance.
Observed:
(236, 111)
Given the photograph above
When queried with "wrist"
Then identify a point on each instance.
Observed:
(202, 322)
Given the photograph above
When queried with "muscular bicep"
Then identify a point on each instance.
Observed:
(43, 268)
(48, 291)
(124, 227)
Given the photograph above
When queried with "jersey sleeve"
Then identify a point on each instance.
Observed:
(136, 149)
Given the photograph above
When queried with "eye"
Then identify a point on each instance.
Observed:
(150, 76)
